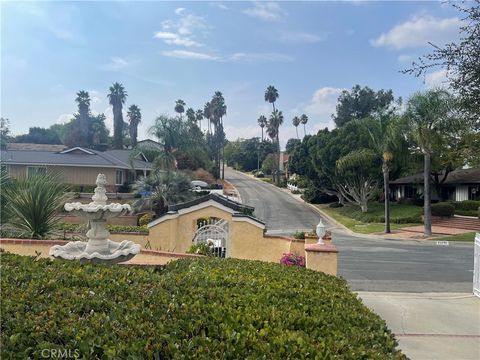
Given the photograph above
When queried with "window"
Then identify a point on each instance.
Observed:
(36, 170)
(119, 177)
(474, 193)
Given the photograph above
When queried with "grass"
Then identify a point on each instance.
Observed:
(372, 221)
(470, 236)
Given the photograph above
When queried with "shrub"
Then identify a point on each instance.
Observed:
(466, 205)
(443, 209)
(259, 174)
(299, 235)
(335, 205)
(201, 174)
(203, 248)
(314, 196)
(296, 192)
(191, 308)
(291, 259)
(145, 219)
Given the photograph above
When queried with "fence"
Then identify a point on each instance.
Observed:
(292, 187)
(476, 266)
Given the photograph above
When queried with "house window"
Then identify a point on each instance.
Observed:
(474, 193)
(119, 177)
(36, 170)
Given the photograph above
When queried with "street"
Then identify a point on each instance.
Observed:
(367, 264)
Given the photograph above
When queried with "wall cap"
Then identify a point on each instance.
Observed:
(321, 248)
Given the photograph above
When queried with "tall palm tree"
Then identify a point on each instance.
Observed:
(274, 123)
(429, 118)
(304, 120)
(83, 101)
(207, 113)
(296, 121)
(134, 117)
(180, 107)
(191, 115)
(219, 110)
(262, 122)
(271, 95)
(199, 117)
(117, 98)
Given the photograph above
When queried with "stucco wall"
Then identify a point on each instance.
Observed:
(322, 258)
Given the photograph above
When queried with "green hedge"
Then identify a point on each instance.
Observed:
(205, 308)
(111, 228)
(443, 209)
(467, 207)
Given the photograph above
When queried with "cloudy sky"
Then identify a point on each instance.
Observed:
(163, 51)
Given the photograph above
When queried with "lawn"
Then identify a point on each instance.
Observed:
(470, 236)
(373, 221)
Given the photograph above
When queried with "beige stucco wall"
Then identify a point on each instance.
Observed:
(71, 174)
(324, 261)
(141, 239)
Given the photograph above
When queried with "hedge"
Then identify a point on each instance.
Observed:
(443, 209)
(467, 207)
(112, 228)
(206, 308)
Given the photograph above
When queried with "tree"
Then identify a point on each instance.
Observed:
(160, 189)
(460, 60)
(83, 101)
(207, 113)
(199, 117)
(274, 123)
(271, 95)
(296, 121)
(191, 115)
(218, 111)
(180, 107)
(360, 103)
(357, 183)
(304, 120)
(37, 135)
(134, 117)
(99, 133)
(430, 123)
(4, 131)
(291, 143)
(262, 122)
(117, 98)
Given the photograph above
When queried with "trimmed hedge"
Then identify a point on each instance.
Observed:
(467, 207)
(443, 209)
(111, 228)
(206, 308)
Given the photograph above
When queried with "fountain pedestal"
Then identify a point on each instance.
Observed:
(98, 248)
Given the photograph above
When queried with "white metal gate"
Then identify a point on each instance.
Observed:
(476, 266)
(214, 231)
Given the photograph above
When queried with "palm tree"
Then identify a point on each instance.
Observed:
(271, 95)
(428, 116)
(117, 98)
(83, 101)
(191, 115)
(165, 188)
(199, 117)
(296, 121)
(180, 106)
(219, 110)
(207, 113)
(276, 119)
(134, 118)
(262, 122)
(304, 120)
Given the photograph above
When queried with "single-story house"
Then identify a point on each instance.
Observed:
(460, 185)
(75, 166)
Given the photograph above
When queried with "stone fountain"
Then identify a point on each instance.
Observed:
(98, 248)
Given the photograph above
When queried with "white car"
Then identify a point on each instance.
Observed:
(198, 184)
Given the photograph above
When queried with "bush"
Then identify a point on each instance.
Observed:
(299, 235)
(466, 205)
(191, 308)
(443, 209)
(335, 205)
(315, 196)
(291, 259)
(203, 248)
(145, 219)
(259, 174)
(200, 174)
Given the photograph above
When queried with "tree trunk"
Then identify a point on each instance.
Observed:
(278, 160)
(296, 129)
(304, 131)
(427, 206)
(364, 205)
(386, 186)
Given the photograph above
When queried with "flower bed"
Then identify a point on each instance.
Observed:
(203, 308)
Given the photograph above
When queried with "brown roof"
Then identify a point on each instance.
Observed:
(35, 147)
(456, 177)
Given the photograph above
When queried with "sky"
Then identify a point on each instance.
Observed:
(164, 51)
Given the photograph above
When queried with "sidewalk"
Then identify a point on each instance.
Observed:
(434, 326)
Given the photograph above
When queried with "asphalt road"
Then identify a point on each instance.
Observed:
(366, 264)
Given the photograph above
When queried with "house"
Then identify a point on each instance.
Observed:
(460, 185)
(75, 166)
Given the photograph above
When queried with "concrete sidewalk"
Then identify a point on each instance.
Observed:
(432, 326)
